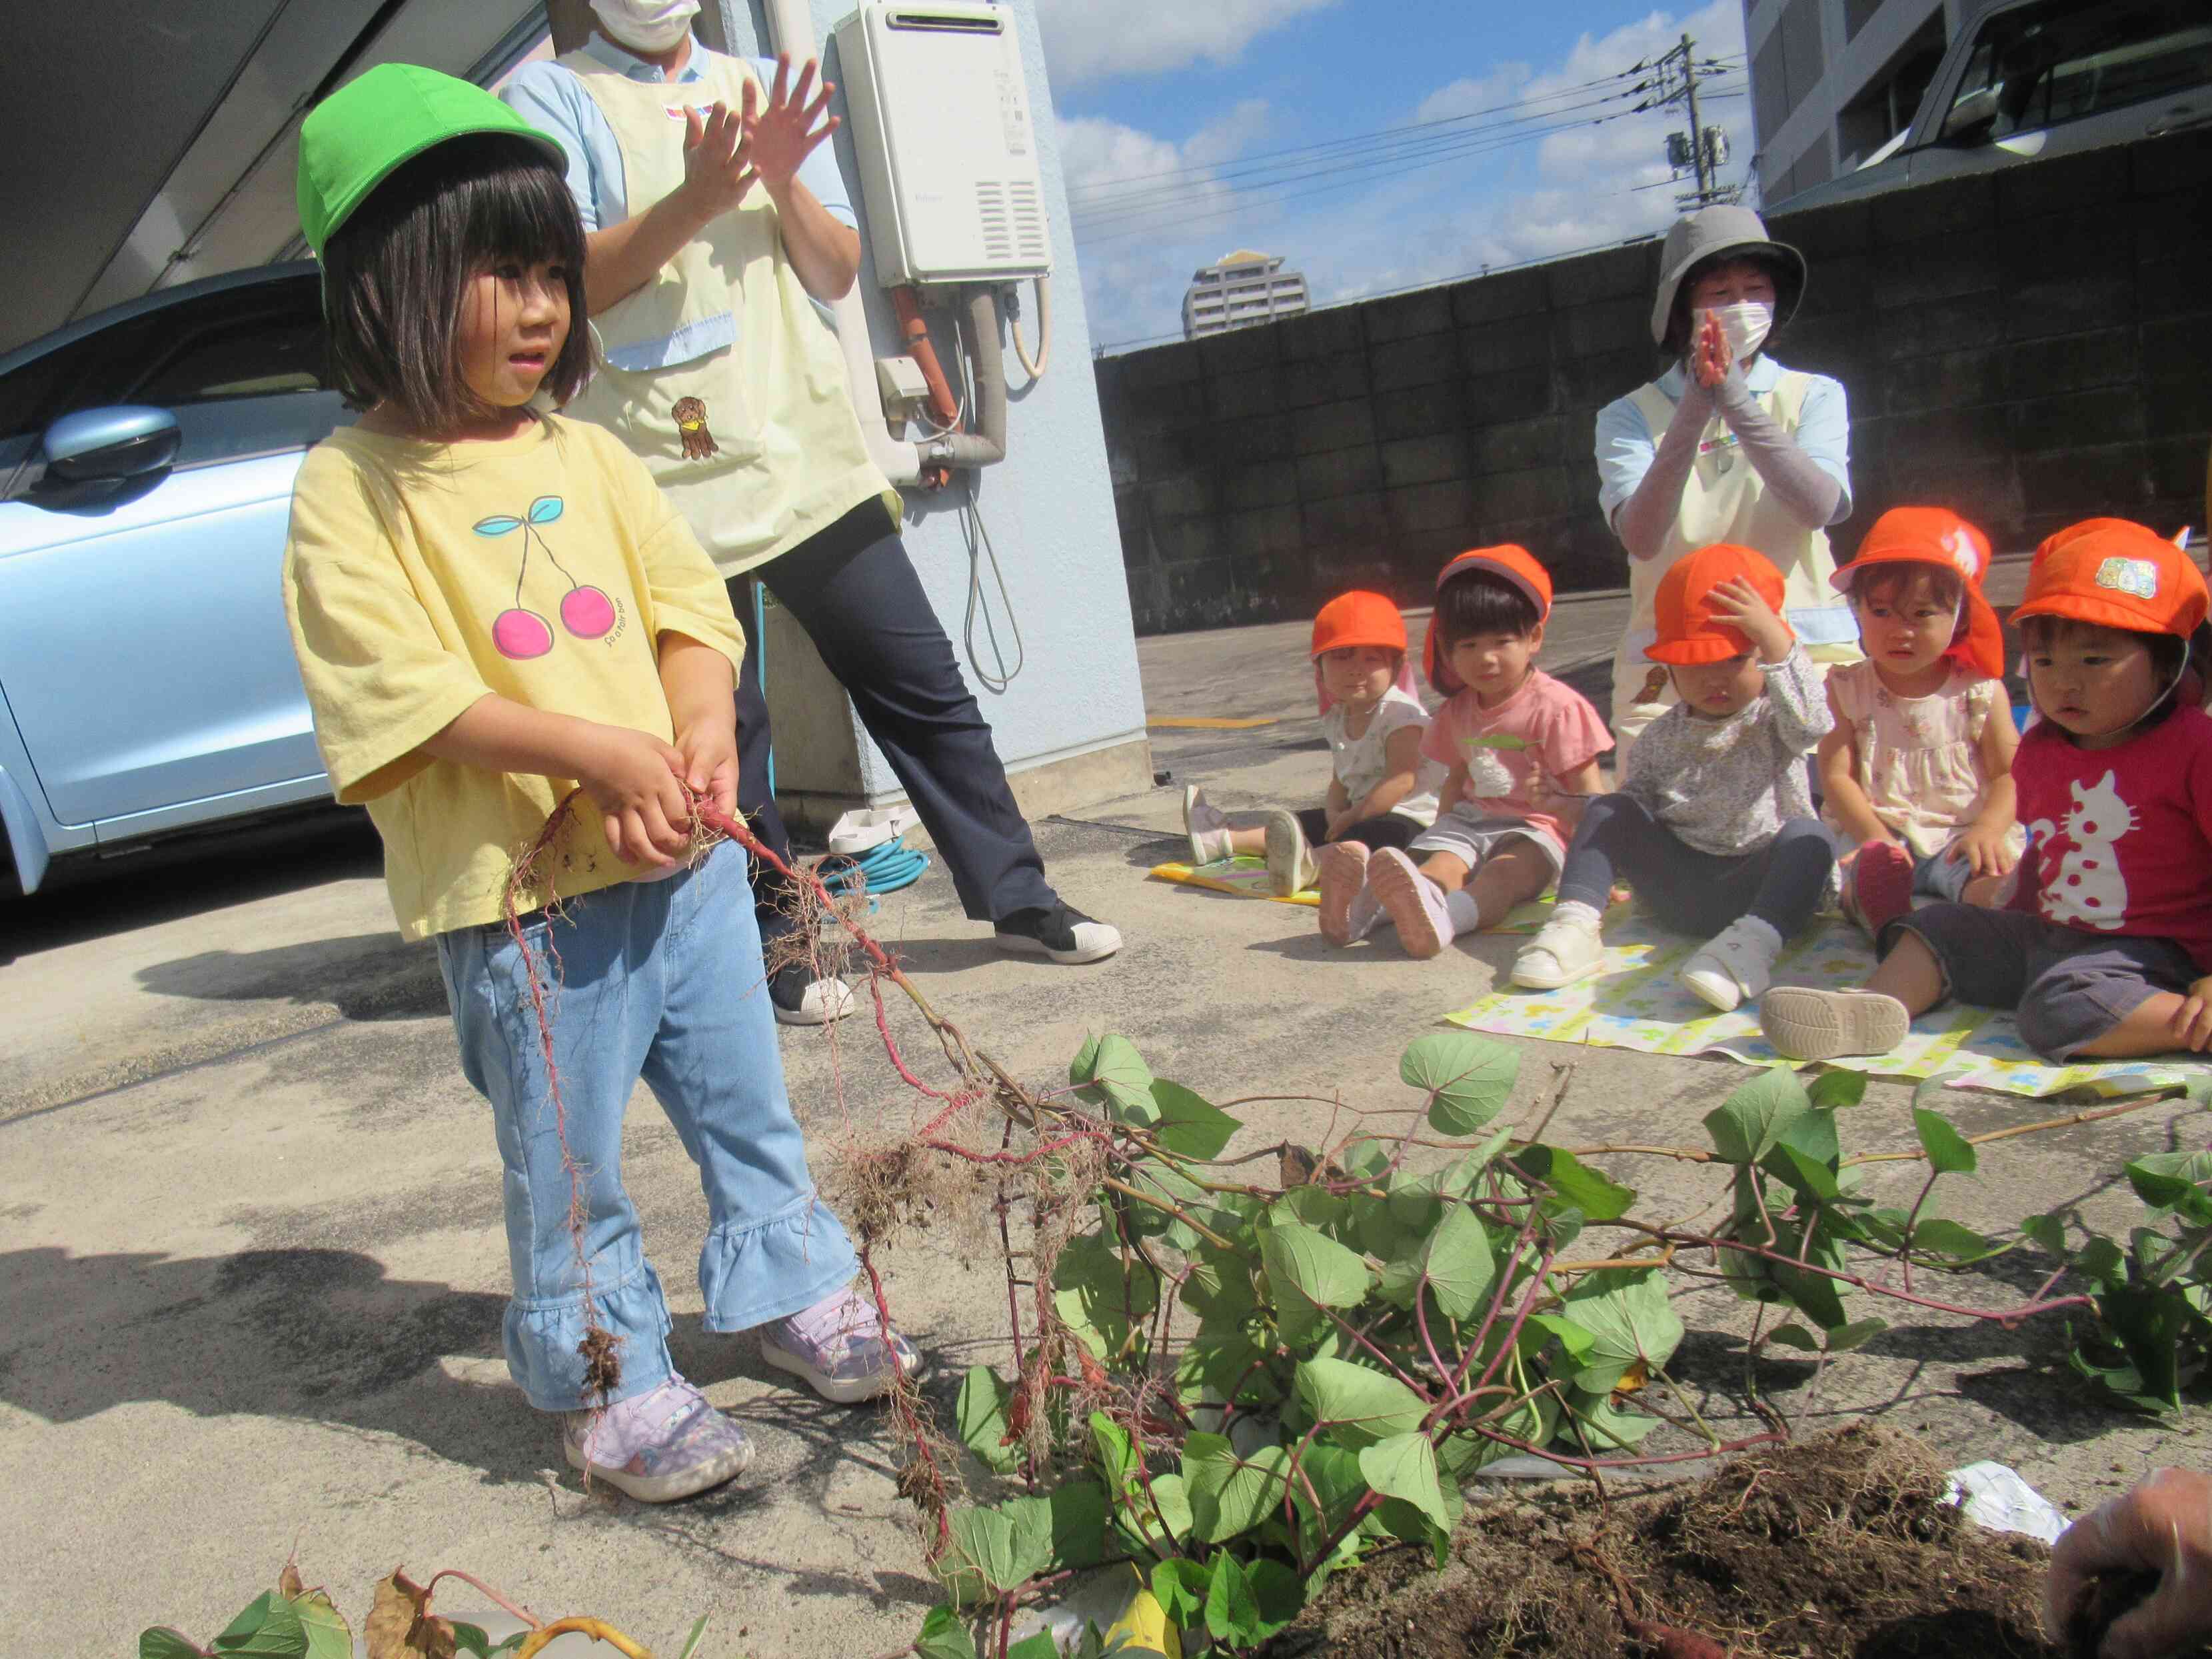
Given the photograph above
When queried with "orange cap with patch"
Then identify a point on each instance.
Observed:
(1514, 565)
(2116, 574)
(2058, 539)
(1938, 536)
(1691, 631)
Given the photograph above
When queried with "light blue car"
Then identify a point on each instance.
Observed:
(147, 454)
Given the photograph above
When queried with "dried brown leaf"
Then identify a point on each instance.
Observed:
(289, 1584)
(401, 1625)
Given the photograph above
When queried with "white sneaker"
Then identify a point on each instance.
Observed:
(1205, 826)
(800, 998)
(1290, 860)
(1565, 950)
(1734, 965)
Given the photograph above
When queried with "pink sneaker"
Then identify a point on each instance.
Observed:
(1415, 904)
(1348, 910)
(659, 1446)
(1879, 884)
(840, 1346)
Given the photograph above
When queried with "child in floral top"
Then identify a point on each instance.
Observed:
(1918, 769)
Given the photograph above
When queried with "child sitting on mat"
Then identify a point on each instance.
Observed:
(1713, 824)
(1917, 770)
(1511, 734)
(2106, 948)
(1382, 792)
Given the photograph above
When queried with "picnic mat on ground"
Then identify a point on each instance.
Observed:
(1247, 877)
(1638, 1003)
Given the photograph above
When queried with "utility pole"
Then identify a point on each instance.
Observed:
(1700, 159)
(1702, 149)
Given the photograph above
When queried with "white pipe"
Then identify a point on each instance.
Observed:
(1035, 369)
(791, 27)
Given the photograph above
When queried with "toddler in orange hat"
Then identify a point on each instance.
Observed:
(2105, 947)
(1511, 735)
(1382, 792)
(1713, 821)
(1918, 772)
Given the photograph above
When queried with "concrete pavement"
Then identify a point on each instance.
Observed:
(252, 1266)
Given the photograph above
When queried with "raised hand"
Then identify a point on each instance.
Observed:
(787, 131)
(1736, 601)
(1710, 359)
(718, 162)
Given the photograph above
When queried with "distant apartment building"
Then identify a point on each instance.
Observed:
(1239, 289)
(1833, 80)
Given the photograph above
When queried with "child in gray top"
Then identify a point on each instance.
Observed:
(1713, 823)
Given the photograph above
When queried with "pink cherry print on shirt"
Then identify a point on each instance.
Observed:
(521, 635)
(588, 613)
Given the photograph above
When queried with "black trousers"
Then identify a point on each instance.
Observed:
(1690, 891)
(853, 588)
(1387, 830)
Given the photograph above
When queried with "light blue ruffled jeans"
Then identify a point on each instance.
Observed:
(663, 981)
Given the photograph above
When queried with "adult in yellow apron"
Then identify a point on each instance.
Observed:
(1759, 460)
(721, 376)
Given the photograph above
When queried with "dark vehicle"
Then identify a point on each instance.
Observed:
(2046, 77)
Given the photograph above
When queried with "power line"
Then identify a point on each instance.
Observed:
(1432, 147)
(1393, 134)
(1151, 224)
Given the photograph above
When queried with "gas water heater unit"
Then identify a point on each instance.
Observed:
(940, 112)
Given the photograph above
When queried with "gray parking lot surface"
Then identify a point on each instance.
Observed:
(254, 1268)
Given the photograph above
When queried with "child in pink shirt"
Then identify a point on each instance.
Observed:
(1511, 734)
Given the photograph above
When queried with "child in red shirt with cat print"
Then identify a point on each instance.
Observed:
(2106, 948)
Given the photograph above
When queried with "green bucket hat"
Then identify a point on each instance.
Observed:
(354, 139)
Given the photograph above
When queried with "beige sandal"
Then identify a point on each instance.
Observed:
(1809, 1024)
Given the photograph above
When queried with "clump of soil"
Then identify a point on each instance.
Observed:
(1838, 1546)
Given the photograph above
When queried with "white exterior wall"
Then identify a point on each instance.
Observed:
(1048, 507)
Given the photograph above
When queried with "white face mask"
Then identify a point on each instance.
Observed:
(1745, 325)
(646, 25)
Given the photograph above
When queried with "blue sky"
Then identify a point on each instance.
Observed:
(1171, 110)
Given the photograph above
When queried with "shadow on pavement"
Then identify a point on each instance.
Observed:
(324, 1335)
(367, 976)
(92, 899)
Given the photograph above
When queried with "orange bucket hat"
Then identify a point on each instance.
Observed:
(1358, 618)
(2119, 575)
(1518, 566)
(1691, 631)
(1936, 535)
(1354, 619)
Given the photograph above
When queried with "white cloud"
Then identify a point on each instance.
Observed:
(1087, 40)
(1505, 83)
(1112, 170)
(1228, 136)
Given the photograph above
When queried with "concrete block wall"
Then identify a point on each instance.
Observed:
(2031, 347)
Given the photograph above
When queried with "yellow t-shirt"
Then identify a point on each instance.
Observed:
(420, 576)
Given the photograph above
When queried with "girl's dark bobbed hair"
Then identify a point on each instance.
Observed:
(395, 271)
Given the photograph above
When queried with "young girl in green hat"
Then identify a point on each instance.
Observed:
(492, 606)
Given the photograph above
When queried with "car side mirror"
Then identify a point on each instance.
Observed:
(123, 440)
(1970, 117)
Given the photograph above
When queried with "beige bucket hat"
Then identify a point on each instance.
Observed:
(1699, 236)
